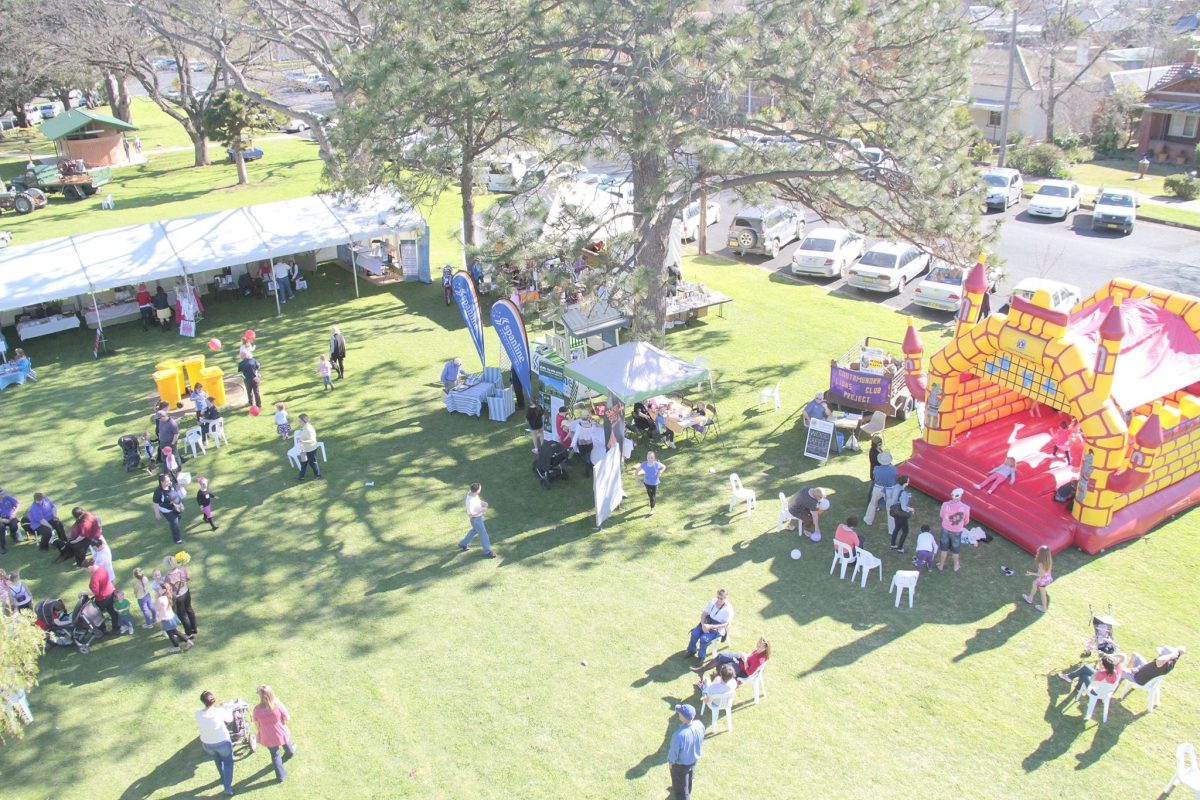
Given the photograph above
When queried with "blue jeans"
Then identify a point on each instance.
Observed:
(284, 287)
(222, 755)
(277, 759)
(477, 527)
(701, 639)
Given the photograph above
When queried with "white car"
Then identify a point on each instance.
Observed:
(942, 288)
(886, 267)
(827, 252)
(295, 125)
(1115, 209)
(1063, 296)
(1004, 187)
(689, 218)
(1055, 199)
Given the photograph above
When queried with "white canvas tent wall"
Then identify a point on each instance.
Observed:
(635, 371)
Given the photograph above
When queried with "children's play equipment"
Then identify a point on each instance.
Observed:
(1125, 363)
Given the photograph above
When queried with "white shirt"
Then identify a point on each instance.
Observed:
(926, 542)
(281, 418)
(720, 615)
(474, 505)
(212, 723)
(281, 270)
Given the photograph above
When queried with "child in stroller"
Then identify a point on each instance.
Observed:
(81, 628)
(550, 464)
(238, 725)
(1103, 640)
(129, 452)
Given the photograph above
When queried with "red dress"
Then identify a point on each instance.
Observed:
(272, 725)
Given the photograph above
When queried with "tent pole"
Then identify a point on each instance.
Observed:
(354, 268)
(278, 309)
(96, 308)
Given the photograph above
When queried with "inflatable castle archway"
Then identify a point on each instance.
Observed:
(1124, 364)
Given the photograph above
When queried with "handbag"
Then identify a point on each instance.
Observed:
(897, 512)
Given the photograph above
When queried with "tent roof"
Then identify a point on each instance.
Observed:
(76, 119)
(126, 256)
(635, 371)
(212, 241)
(1159, 353)
(35, 273)
(596, 318)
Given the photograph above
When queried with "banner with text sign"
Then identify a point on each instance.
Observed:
(466, 295)
(860, 387)
(510, 329)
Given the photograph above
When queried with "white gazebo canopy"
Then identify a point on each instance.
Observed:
(635, 371)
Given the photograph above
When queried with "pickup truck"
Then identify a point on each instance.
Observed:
(70, 178)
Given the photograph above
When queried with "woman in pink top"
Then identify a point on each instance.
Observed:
(744, 664)
(271, 717)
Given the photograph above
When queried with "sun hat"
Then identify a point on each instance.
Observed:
(885, 458)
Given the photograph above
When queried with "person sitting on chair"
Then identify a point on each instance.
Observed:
(807, 505)
(642, 419)
(847, 535)
(699, 420)
(1143, 671)
(713, 625)
(744, 664)
(662, 432)
(816, 408)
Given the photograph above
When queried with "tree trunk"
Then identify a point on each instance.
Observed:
(18, 110)
(110, 90)
(196, 132)
(65, 96)
(466, 189)
(243, 179)
(121, 110)
(652, 227)
(1051, 102)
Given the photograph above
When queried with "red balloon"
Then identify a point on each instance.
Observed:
(254, 411)
(214, 344)
(249, 334)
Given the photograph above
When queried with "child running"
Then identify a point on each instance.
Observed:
(1005, 472)
(281, 422)
(204, 499)
(1044, 562)
(323, 369)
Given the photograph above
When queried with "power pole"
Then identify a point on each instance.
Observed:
(1012, 65)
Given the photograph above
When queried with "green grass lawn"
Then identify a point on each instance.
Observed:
(414, 671)
(1123, 174)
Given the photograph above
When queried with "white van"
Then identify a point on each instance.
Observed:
(504, 173)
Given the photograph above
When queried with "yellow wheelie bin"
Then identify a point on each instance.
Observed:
(174, 365)
(168, 383)
(193, 366)
(213, 381)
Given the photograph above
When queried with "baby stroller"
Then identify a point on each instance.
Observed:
(84, 626)
(52, 618)
(239, 727)
(1103, 638)
(130, 453)
(550, 464)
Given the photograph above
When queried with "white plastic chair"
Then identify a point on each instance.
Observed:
(216, 432)
(701, 361)
(1153, 689)
(866, 562)
(716, 703)
(785, 516)
(904, 579)
(842, 554)
(741, 493)
(1186, 770)
(758, 682)
(1099, 691)
(767, 395)
(875, 424)
(195, 441)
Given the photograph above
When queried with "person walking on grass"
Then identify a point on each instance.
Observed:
(476, 505)
(307, 439)
(249, 367)
(325, 369)
(272, 717)
(1041, 579)
(650, 471)
(204, 499)
(535, 417)
(337, 351)
(164, 612)
(686, 745)
(168, 504)
(214, 736)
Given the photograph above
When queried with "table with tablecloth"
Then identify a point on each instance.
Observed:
(679, 417)
(371, 264)
(113, 312)
(12, 372)
(30, 328)
(469, 399)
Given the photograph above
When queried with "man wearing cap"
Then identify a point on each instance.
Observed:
(685, 751)
(807, 505)
(451, 372)
(955, 516)
(884, 478)
(714, 623)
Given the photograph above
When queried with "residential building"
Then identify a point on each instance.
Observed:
(1170, 128)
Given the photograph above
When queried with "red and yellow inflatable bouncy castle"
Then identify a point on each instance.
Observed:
(1124, 365)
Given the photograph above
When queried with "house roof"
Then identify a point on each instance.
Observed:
(76, 119)
(1187, 23)
(1177, 73)
(989, 67)
(1141, 79)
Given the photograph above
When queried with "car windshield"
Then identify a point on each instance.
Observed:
(950, 275)
(1115, 200)
(998, 181)
(874, 258)
(500, 168)
(1053, 191)
(818, 245)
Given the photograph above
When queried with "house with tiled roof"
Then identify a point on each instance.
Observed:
(1170, 127)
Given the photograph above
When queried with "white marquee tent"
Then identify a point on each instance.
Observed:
(91, 262)
(635, 371)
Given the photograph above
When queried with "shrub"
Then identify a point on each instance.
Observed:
(1185, 187)
(981, 152)
(1067, 141)
(1041, 160)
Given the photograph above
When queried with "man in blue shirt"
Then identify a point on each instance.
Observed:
(450, 374)
(816, 408)
(883, 477)
(685, 751)
(8, 519)
(43, 519)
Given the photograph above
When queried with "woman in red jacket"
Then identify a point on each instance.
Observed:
(745, 664)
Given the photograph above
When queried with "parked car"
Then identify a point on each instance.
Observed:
(317, 83)
(1055, 199)
(942, 288)
(50, 110)
(1004, 187)
(505, 173)
(295, 125)
(827, 252)
(249, 154)
(764, 230)
(164, 64)
(689, 218)
(887, 266)
(1063, 296)
(1115, 209)
(199, 66)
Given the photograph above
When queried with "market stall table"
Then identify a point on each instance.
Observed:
(469, 399)
(371, 264)
(113, 312)
(12, 372)
(30, 328)
(693, 300)
(679, 417)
